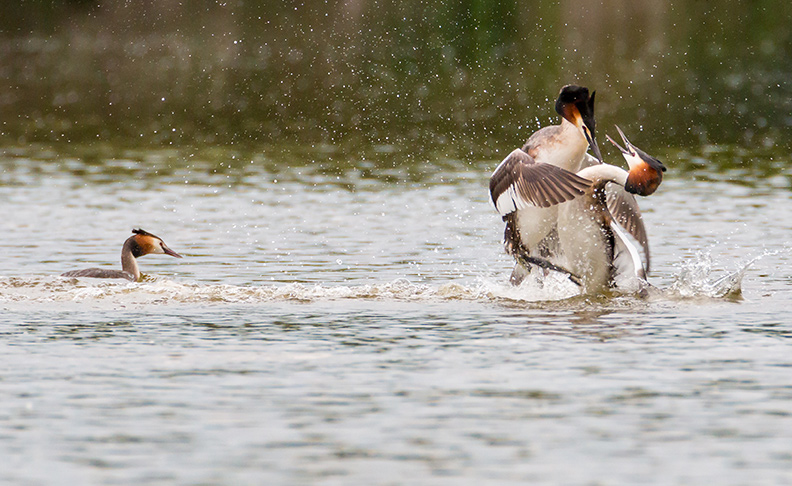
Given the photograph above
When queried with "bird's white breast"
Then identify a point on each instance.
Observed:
(584, 242)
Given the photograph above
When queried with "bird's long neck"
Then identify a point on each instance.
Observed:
(573, 134)
(128, 260)
(601, 173)
(559, 145)
(573, 148)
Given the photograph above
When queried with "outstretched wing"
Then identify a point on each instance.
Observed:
(520, 181)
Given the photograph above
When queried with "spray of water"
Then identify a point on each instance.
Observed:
(697, 278)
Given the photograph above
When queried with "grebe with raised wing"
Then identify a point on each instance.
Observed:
(590, 246)
(530, 228)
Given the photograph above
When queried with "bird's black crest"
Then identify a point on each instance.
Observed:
(572, 94)
(141, 232)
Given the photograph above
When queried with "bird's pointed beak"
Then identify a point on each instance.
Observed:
(627, 143)
(586, 110)
(170, 252)
(592, 141)
(635, 156)
(646, 172)
(628, 151)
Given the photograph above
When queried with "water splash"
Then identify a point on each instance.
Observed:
(535, 287)
(695, 278)
(163, 291)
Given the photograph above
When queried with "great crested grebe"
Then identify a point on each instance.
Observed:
(530, 222)
(139, 244)
(592, 247)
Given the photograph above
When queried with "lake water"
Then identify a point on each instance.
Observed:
(354, 325)
(342, 313)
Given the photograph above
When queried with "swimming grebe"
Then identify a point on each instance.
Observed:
(530, 223)
(139, 244)
(592, 246)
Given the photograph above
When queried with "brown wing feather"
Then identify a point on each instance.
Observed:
(519, 180)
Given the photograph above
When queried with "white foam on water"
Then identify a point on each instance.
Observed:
(163, 291)
(695, 279)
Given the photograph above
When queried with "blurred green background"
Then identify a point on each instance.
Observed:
(469, 79)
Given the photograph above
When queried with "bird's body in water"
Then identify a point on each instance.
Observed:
(530, 229)
(592, 247)
(139, 244)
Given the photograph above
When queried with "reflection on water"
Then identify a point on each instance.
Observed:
(467, 78)
(342, 313)
(427, 391)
